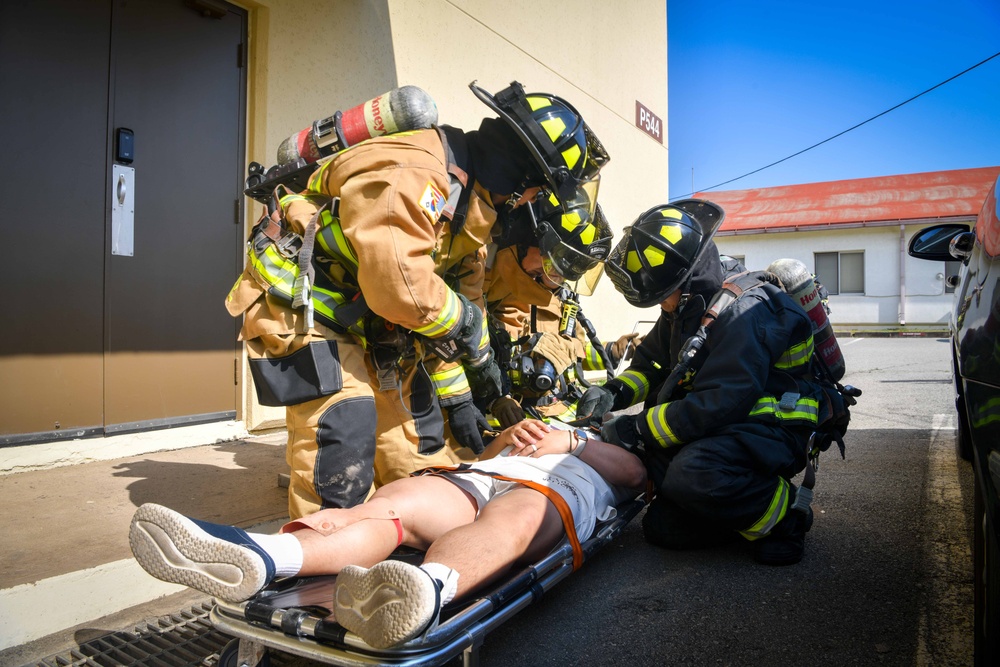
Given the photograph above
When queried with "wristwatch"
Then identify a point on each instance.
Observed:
(581, 441)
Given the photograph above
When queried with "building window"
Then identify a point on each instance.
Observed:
(841, 272)
(951, 269)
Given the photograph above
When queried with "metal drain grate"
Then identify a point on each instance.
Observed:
(183, 639)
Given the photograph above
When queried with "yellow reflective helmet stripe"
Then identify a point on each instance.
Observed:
(654, 255)
(775, 512)
(535, 102)
(446, 321)
(632, 261)
(672, 233)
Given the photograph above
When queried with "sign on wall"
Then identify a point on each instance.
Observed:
(648, 122)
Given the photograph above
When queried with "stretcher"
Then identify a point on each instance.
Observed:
(294, 616)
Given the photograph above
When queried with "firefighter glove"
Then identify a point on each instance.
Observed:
(624, 432)
(593, 404)
(467, 424)
(623, 348)
(486, 382)
(507, 411)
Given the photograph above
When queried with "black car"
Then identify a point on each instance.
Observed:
(975, 329)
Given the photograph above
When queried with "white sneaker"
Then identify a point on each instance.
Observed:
(218, 560)
(388, 604)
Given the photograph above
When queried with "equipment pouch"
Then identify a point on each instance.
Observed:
(307, 374)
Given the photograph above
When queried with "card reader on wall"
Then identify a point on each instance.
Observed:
(124, 145)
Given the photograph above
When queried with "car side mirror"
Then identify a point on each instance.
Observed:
(942, 243)
(961, 246)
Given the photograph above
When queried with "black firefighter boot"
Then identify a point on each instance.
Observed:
(786, 542)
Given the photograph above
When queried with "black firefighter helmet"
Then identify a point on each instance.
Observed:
(659, 250)
(564, 147)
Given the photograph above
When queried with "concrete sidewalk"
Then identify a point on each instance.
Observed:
(66, 508)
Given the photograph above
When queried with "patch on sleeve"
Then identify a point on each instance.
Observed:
(432, 201)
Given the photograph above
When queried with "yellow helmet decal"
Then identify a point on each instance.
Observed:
(537, 103)
(571, 155)
(671, 213)
(570, 220)
(632, 262)
(553, 200)
(588, 234)
(671, 233)
(654, 255)
(554, 127)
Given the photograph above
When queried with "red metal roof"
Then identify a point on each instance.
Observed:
(908, 197)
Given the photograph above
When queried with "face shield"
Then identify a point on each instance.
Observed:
(574, 237)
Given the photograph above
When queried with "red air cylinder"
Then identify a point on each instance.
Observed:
(399, 110)
(799, 284)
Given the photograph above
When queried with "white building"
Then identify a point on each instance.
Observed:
(853, 235)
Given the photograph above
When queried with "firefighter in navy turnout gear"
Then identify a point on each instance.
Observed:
(375, 338)
(725, 432)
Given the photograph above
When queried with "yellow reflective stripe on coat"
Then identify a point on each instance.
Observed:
(276, 270)
(447, 320)
(279, 273)
(806, 409)
(796, 356)
(775, 513)
(331, 238)
(450, 382)
(592, 361)
(637, 382)
(322, 300)
(656, 420)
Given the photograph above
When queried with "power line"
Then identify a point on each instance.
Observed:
(749, 173)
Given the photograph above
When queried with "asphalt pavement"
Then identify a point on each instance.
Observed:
(886, 579)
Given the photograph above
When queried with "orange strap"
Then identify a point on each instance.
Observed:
(561, 505)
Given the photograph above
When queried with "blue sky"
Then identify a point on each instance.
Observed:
(752, 82)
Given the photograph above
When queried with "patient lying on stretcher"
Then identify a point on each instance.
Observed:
(533, 485)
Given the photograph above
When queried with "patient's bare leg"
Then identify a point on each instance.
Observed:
(425, 507)
(519, 526)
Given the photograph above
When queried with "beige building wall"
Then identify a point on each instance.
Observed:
(309, 58)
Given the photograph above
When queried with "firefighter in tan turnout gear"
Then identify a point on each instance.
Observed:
(362, 294)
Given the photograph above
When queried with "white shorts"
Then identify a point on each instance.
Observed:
(589, 497)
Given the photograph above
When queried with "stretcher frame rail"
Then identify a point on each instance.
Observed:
(307, 633)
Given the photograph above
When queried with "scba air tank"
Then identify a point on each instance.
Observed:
(399, 110)
(799, 284)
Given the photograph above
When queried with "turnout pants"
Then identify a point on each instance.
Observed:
(346, 430)
(738, 480)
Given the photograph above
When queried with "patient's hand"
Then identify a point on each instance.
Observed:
(554, 441)
(524, 436)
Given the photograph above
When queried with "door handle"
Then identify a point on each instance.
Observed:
(122, 189)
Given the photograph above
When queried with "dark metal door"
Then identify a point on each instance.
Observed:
(93, 342)
(53, 130)
(177, 84)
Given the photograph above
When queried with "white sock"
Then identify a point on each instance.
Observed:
(285, 550)
(446, 576)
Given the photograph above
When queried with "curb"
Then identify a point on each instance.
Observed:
(892, 334)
